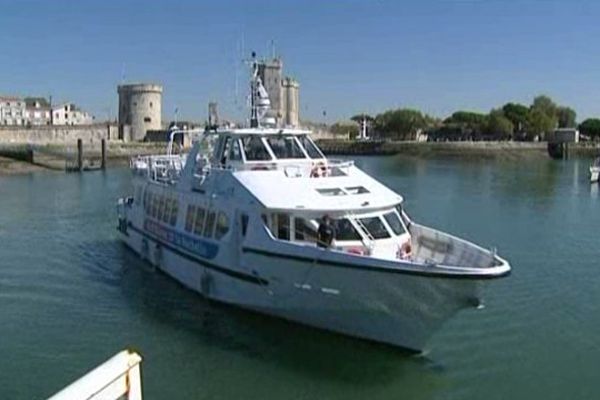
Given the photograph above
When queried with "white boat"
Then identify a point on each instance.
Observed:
(237, 219)
(595, 170)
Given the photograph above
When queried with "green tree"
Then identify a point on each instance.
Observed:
(402, 123)
(517, 114)
(545, 105)
(473, 121)
(359, 118)
(590, 127)
(566, 117)
(539, 123)
(498, 125)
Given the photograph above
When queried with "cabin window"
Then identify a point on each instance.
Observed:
(375, 227)
(285, 147)
(189, 218)
(310, 147)
(304, 231)
(403, 215)
(210, 224)
(147, 201)
(254, 149)
(345, 231)
(235, 153)
(166, 216)
(154, 205)
(281, 222)
(225, 152)
(222, 225)
(244, 224)
(161, 208)
(174, 211)
(199, 225)
(393, 221)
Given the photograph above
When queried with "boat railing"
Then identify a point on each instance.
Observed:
(162, 168)
(117, 378)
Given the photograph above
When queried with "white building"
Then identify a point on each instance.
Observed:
(37, 111)
(70, 114)
(12, 110)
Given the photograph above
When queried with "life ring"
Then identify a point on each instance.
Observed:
(319, 170)
(356, 250)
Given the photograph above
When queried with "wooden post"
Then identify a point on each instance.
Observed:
(103, 161)
(79, 155)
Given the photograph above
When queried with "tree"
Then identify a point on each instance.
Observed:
(590, 127)
(468, 119)
(517, 114)
(545, 104)
(403, 123)
(498, 125)
(359, 118)
(539, 123)
(566, 117)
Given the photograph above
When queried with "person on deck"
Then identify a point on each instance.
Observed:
(326, 232)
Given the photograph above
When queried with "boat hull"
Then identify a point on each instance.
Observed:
(399, 309)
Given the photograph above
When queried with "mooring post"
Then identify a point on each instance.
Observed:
(103, 161)
(80, 155)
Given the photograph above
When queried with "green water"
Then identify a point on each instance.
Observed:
(71, 296)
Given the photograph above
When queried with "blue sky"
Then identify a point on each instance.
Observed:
(349, 56)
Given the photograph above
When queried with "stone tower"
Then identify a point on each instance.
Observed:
(271, 74)
(291, 104)
(140, 108)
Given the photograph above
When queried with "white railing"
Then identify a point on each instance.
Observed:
(159, 168)
(117, 378)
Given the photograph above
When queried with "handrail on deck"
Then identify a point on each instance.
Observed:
(119, 377)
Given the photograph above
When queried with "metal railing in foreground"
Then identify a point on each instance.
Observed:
(117, 378)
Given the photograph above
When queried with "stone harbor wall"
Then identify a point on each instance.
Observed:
(58, 134)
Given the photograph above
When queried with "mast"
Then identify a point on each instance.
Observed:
(253, 89)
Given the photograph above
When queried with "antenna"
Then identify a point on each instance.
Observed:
(122, 73)
(272, 49)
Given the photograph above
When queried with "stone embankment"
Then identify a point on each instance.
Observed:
(449, 149)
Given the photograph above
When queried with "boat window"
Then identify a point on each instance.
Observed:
(222, 225)
(285, 147)
(357, 190)
(255, 149)
(189, 218)
(344, 230)
(225, 152)
(161, 208)
(311, 149)
(235, 153)
(375, 227)
(304, 231)
(331, 192)
(166, 217)
(174, 211)
(210, 224)
(199, 225)
(394, 222)
(244, 224)
(281, 222)
(403, 215)
(154, 205)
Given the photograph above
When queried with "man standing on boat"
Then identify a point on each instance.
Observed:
(326, 232)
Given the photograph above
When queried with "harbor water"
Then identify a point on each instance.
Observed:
(71, 296)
